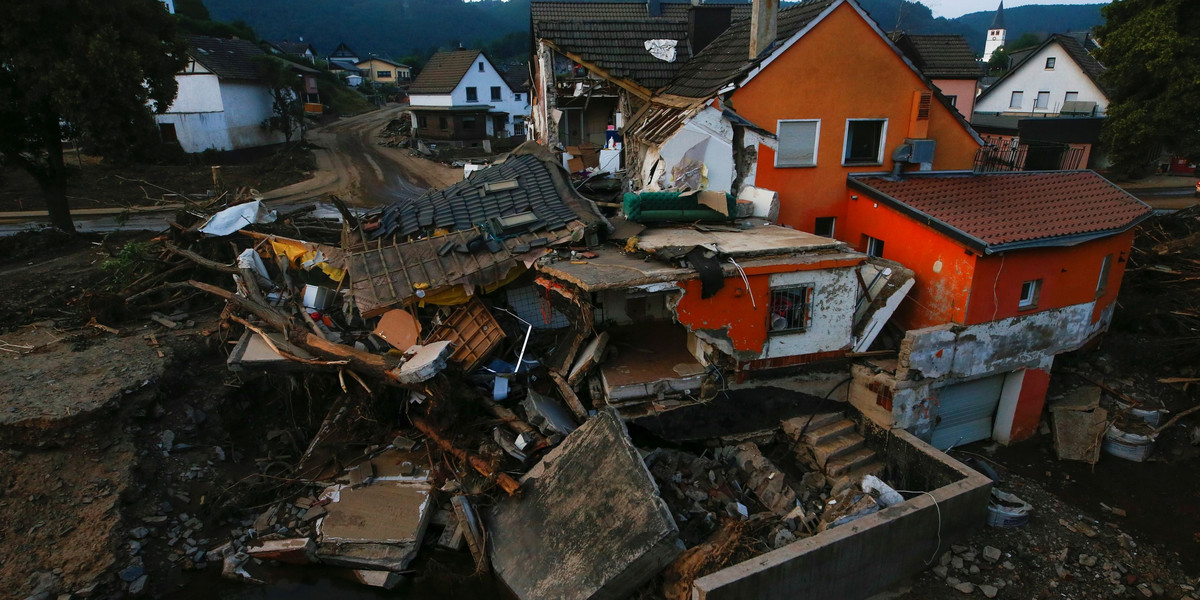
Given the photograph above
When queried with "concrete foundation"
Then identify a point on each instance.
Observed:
(890, 545)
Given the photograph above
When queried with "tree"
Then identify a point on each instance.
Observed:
(80, 67)
(1151, 49)
(287, 110)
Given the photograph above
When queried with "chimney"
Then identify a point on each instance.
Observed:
(705, 23)
(763, 18)
(654, 8)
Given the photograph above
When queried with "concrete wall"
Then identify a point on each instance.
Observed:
(835, 293)
(1033, 77)
(866, 556)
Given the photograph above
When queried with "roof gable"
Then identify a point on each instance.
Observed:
(994, 212)
(1072, 48)
(227, 59)
(444, 71)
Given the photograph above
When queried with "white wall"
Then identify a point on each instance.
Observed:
(835, 292)
(1032, 77)
(247, 105)
(198, 132)
(707, 124)
(200, 92)
(483, 83)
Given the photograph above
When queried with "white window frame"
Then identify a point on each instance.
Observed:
(1030, 290)
(382, 74)
(832, 226)
(1019, 97)
(1037, 101)
(1067, 97)
(874, 246)
(882, 143)
(816, 141)
(952, 99)
(1105, 270)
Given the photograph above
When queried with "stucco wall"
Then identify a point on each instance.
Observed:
(247, 105)
(198, 132)
(199, 92)
(1033, 77)
(483, 83)
(964, 92)
(872, 81)
(706, 125)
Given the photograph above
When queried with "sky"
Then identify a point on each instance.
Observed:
(957, 8)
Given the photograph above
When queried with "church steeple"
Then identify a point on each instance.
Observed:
(995, 34)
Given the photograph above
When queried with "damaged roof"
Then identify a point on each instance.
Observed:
(725, 58)
(443, 72)
(941, 56)
(994, 212)
(619, 46)
(228, 59)
(526, 180)
(618, 10)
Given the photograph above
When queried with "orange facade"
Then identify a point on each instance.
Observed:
(841, 69)
(1069, 275)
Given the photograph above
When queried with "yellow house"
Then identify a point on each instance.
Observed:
(383, 71)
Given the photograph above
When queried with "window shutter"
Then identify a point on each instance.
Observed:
(923, 105)
(797, 143)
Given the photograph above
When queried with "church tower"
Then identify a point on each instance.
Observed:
(995, 34)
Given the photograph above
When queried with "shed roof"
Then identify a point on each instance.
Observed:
(540, 186)
(443, 72)
(941, 56)
(994, 212)
(619, 46)
(228, 59)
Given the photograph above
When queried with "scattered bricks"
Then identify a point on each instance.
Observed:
(991, 553)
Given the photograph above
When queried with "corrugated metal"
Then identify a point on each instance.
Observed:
(966, 412)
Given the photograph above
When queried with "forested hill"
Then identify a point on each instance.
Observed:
(400, 28)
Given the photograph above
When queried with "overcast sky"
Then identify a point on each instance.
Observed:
(957, 8)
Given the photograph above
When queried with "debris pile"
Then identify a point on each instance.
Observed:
(397, 133)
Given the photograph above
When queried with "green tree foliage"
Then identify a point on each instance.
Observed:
(71, 68)
(1152, 54)
(287, 86)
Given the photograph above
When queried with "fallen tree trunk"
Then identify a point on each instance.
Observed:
(504, 480)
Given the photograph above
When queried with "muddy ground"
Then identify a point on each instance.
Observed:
(125, 456)
(93, 183)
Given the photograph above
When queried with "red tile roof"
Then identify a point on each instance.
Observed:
(999, 211)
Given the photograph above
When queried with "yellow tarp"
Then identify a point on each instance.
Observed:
(299, 252)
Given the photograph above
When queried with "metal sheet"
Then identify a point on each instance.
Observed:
(966, 412)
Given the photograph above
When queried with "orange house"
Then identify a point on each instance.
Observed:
(1013, 268)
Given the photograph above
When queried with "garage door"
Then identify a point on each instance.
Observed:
(966, 412)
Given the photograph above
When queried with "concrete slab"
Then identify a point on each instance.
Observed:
(758, 241)
(379, 526)
(589, 523)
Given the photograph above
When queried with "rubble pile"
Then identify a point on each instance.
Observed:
(397, 132)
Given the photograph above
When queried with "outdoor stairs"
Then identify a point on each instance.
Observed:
(831, 443)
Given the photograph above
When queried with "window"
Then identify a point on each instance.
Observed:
(798, 143)
(824, 226)
(1105, 267)
(495, 93)
(953, 100)
(516, 97)
(864, 141)
(468, 123)
(1016, 100)
(472, 95)
(1071, 97)
(1029, 294)
(1050, 63)
(383, 74)
(481, 66)
(790, 309)
(1043, 100)
(874, 246)
(422, 122)
(518, 126)
(442, 123)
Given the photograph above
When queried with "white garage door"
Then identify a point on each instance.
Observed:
(966, 412)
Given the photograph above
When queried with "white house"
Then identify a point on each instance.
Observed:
(461, 98)
(222, 102)
(1058, 77)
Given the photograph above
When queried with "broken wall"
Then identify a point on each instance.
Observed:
(892, 544)
(736, 320)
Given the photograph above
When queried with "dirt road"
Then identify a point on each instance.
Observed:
(352, 166)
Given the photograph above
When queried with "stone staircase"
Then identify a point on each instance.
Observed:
(830, 443)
